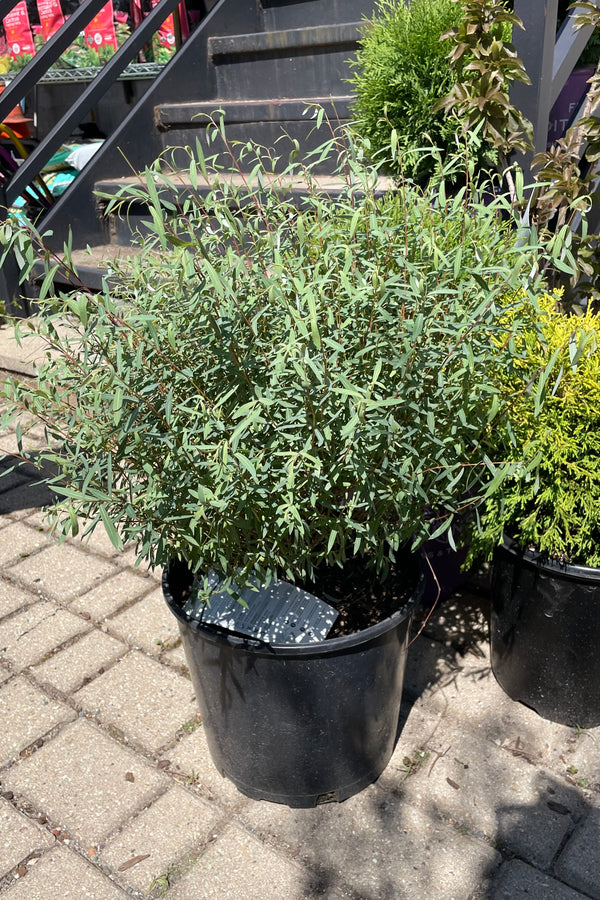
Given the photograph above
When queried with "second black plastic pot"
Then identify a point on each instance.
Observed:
(297, 724)
(545, 635)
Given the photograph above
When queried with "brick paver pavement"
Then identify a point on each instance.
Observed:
(107, 789)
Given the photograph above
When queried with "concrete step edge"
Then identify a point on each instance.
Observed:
(169, 115)
(265, 42)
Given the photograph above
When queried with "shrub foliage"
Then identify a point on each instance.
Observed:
(274, 384)
(554, 506)
(401, 71)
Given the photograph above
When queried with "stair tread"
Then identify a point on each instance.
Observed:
(285, 38)
(271, 110)
(90, 264)
(263, 101)
(95, 257)
(327, 183)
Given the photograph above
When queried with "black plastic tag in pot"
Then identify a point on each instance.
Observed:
(278, 614)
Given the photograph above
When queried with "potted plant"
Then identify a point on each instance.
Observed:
(544, 624)
(287, 382)
(545, 619)
(401, 70)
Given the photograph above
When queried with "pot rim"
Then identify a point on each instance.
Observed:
(546, 564)
(326, 647)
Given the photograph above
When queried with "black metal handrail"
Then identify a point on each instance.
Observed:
(50, 52)
(36, 68)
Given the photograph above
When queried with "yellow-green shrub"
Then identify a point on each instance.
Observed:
(555, 419)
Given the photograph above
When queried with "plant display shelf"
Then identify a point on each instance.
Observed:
(88, 73)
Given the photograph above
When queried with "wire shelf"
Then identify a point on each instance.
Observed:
(88, 73)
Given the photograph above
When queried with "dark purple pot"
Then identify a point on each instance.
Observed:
(444, 564)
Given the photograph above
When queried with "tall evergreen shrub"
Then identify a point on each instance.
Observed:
(551, 501)
(400, 72)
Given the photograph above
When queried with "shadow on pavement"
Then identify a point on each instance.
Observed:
(487, 812)
(22, 485)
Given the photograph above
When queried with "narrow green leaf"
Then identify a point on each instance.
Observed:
(113, 534)
(332, 539)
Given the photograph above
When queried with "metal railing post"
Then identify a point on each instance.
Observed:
(549, 59)
(535, 46)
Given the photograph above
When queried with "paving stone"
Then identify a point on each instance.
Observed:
(19, 541)
(437, 679)
(31, 715)
(79, 662)
(4, 674)
(112, 594)
(33, 633)
(12, 509)
(20, 355)
(62, 572)
(579, 862)
(10, 446)
(191, 758)
(13, 597)
(469, 686)
(19, 837)
(155, 574)
(238, 866)
(518, 881)
(80, 780)
(148, 624)
(429, 664)
(128, 557)
(577, 756)
(38, 518)
(171, 828)
(147, 701)
(378, 846)
(471, 782)
(62, 874)
(177, 658)
(98, 541)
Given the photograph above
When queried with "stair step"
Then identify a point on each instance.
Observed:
(170, 116)
(285, 39)
(282, 63)
(326, 184)
(91, 265)
(263, 122)
(294, 14)
(124, 227)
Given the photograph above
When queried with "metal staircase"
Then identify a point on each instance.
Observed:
(260, 61)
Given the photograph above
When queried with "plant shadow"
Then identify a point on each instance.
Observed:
(469, 818)
(22, 484)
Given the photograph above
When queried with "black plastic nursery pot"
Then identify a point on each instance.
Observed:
(297, 724)
(545, 635)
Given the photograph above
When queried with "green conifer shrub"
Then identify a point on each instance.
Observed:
(401, 70)
(551, 503)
